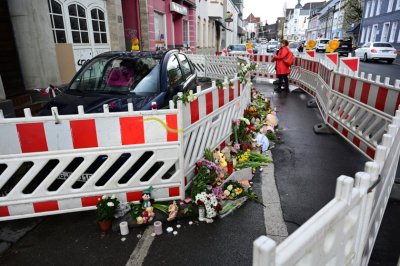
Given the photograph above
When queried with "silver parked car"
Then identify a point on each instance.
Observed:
(377, 51)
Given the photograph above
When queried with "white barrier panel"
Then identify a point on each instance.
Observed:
(344, 231)
(199, 63)
(72, 132)
(210, 121)
(59, 163)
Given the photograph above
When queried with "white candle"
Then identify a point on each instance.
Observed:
(158, 227)
(123, 226)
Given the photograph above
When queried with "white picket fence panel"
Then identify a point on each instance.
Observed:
(343, 232)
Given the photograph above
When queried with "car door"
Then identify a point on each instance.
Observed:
(189, 75)
(175, 77)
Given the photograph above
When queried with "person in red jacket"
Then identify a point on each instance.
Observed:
(282, 69)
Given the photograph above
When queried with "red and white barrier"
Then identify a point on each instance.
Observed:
(36, 134)
(349, 65)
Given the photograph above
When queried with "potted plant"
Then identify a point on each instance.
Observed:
(106, 208)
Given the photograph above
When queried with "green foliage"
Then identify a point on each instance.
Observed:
(208, 155)
(136, 210)
(106, 208)
(219, 84)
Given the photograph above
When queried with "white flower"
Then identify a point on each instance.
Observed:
(110, 204)
(175, 233)
(230, 187)
(190, 222)
(104, 197)
(178, 226)
(113, 196)
(226, 193)
(170, 229)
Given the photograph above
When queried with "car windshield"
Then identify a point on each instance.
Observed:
(293, 45)
(323, 41)
(380, 44)
(238, 48)
(273, 43)
(118, 75)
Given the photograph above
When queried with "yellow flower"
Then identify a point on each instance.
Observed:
(238, 191)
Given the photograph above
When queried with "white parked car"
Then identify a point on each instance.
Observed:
(321, 45)
(376, 51)
(272, 46)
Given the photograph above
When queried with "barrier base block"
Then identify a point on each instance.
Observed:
(312, 103)
(322, 128)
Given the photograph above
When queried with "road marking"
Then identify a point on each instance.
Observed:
(142, 248)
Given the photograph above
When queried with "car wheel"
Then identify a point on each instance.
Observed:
(390, 61)
(365, 58)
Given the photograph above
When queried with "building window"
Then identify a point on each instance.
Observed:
(385, 31)
(398, 5)
(209, 33)
(367, 9)
(204, 33)
(77, 19)
(367, 37)
(362, 35)
(390, 6)
(99, 26)
(186, 33)
(393, 31)
(159, 30)
(378, 7)
(57, 22)
(371, 13)
(198, 31)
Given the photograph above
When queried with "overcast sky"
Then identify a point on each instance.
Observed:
(269, 9)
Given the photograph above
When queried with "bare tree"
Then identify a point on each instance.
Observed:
(353, 13)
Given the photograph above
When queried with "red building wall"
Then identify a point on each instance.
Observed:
(131, 15)
(173, 21)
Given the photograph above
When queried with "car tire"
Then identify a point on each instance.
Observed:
(390, 61)
(365, 58)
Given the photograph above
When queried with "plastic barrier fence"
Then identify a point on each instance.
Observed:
(210, 120)
(344, 231)
(64, 163)
(59, 164)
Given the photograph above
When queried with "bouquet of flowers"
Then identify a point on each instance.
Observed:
(233, 190)
(210, 202)
(245, 69)
(106, 208)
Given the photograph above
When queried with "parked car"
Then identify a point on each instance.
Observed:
(293, 46)
(119, 78)
(345, 47)
(321, 45)
(272, 46)
(237, 49)
(377, 51)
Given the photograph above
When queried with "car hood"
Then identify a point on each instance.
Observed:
(67, 103)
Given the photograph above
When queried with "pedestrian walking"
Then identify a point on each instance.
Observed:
(283, 59)
(301, 47)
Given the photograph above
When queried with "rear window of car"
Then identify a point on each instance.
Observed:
(293, 45)
(114, 75)
(380, 44)
(323, 41)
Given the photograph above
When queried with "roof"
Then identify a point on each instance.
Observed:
(252, 19)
